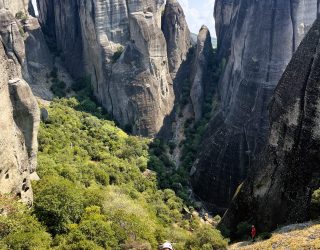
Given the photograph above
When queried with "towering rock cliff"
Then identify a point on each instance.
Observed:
(19, 119)
(200, 75)
(225, 13)
(40, 61)
(279, 189)
(262, 36)
(177, 34)
(121, 46)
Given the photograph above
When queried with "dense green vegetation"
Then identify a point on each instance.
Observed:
(117, 54)
(315, 204)
(168, 176)
(58, 87)
(194, 131)
(177, 178)
(19, 229)
(96, 192)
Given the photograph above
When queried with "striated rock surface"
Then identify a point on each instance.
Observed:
(225, 13)
(121, 46)
(203, 58)
(177, 34)
(60, 22)
(262, 36)
(40, 61)
(279, 189)
(20, 117)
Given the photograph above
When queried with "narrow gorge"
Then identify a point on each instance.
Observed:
(122, 129)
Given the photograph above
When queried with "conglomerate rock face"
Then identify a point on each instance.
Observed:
(278, 191)
(121, 46)
(20, 118)
(262, 36)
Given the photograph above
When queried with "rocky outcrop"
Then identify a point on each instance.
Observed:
(177, 34)
(121, 46)
(264, 36)
(280, 187)
(19, 120)
(15, 6)
(40, 61)
(201, 76)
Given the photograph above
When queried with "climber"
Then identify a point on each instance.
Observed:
(167, 246)
(253, 232)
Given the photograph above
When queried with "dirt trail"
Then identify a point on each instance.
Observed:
(304, 236)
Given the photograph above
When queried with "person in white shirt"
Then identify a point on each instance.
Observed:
(167, 246)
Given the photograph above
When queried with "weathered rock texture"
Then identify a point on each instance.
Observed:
(262, 36)
(19, 119)
(15, 6)
(201, 76)
(40, 61)
(177, 34)
(280, 187)
(225, 13)
(136, 87)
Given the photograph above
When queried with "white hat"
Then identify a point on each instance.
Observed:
(167, 245)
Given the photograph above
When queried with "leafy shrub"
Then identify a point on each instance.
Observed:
(206, 238)
(94, 230)
(58, 203)
(243, 230)
(82, 83)
(21, 31)
(19, 229)
(58, 88)
(117, 54)
(265, 236)
(315, 204)
(21, 16)
(224, 231)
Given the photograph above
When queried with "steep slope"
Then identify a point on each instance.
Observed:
(303, 236)
(19, 120)
(121, 46)
(279, 189)
(260, 37)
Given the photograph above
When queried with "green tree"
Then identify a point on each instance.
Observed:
(57, 203)
(206, 238)
(19, 229)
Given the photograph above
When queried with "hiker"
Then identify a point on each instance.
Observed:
(167, 246)
(253, 232)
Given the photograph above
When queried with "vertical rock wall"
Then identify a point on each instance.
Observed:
(260, 38)
(20, 118)
(121, 46)
(278, 191)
